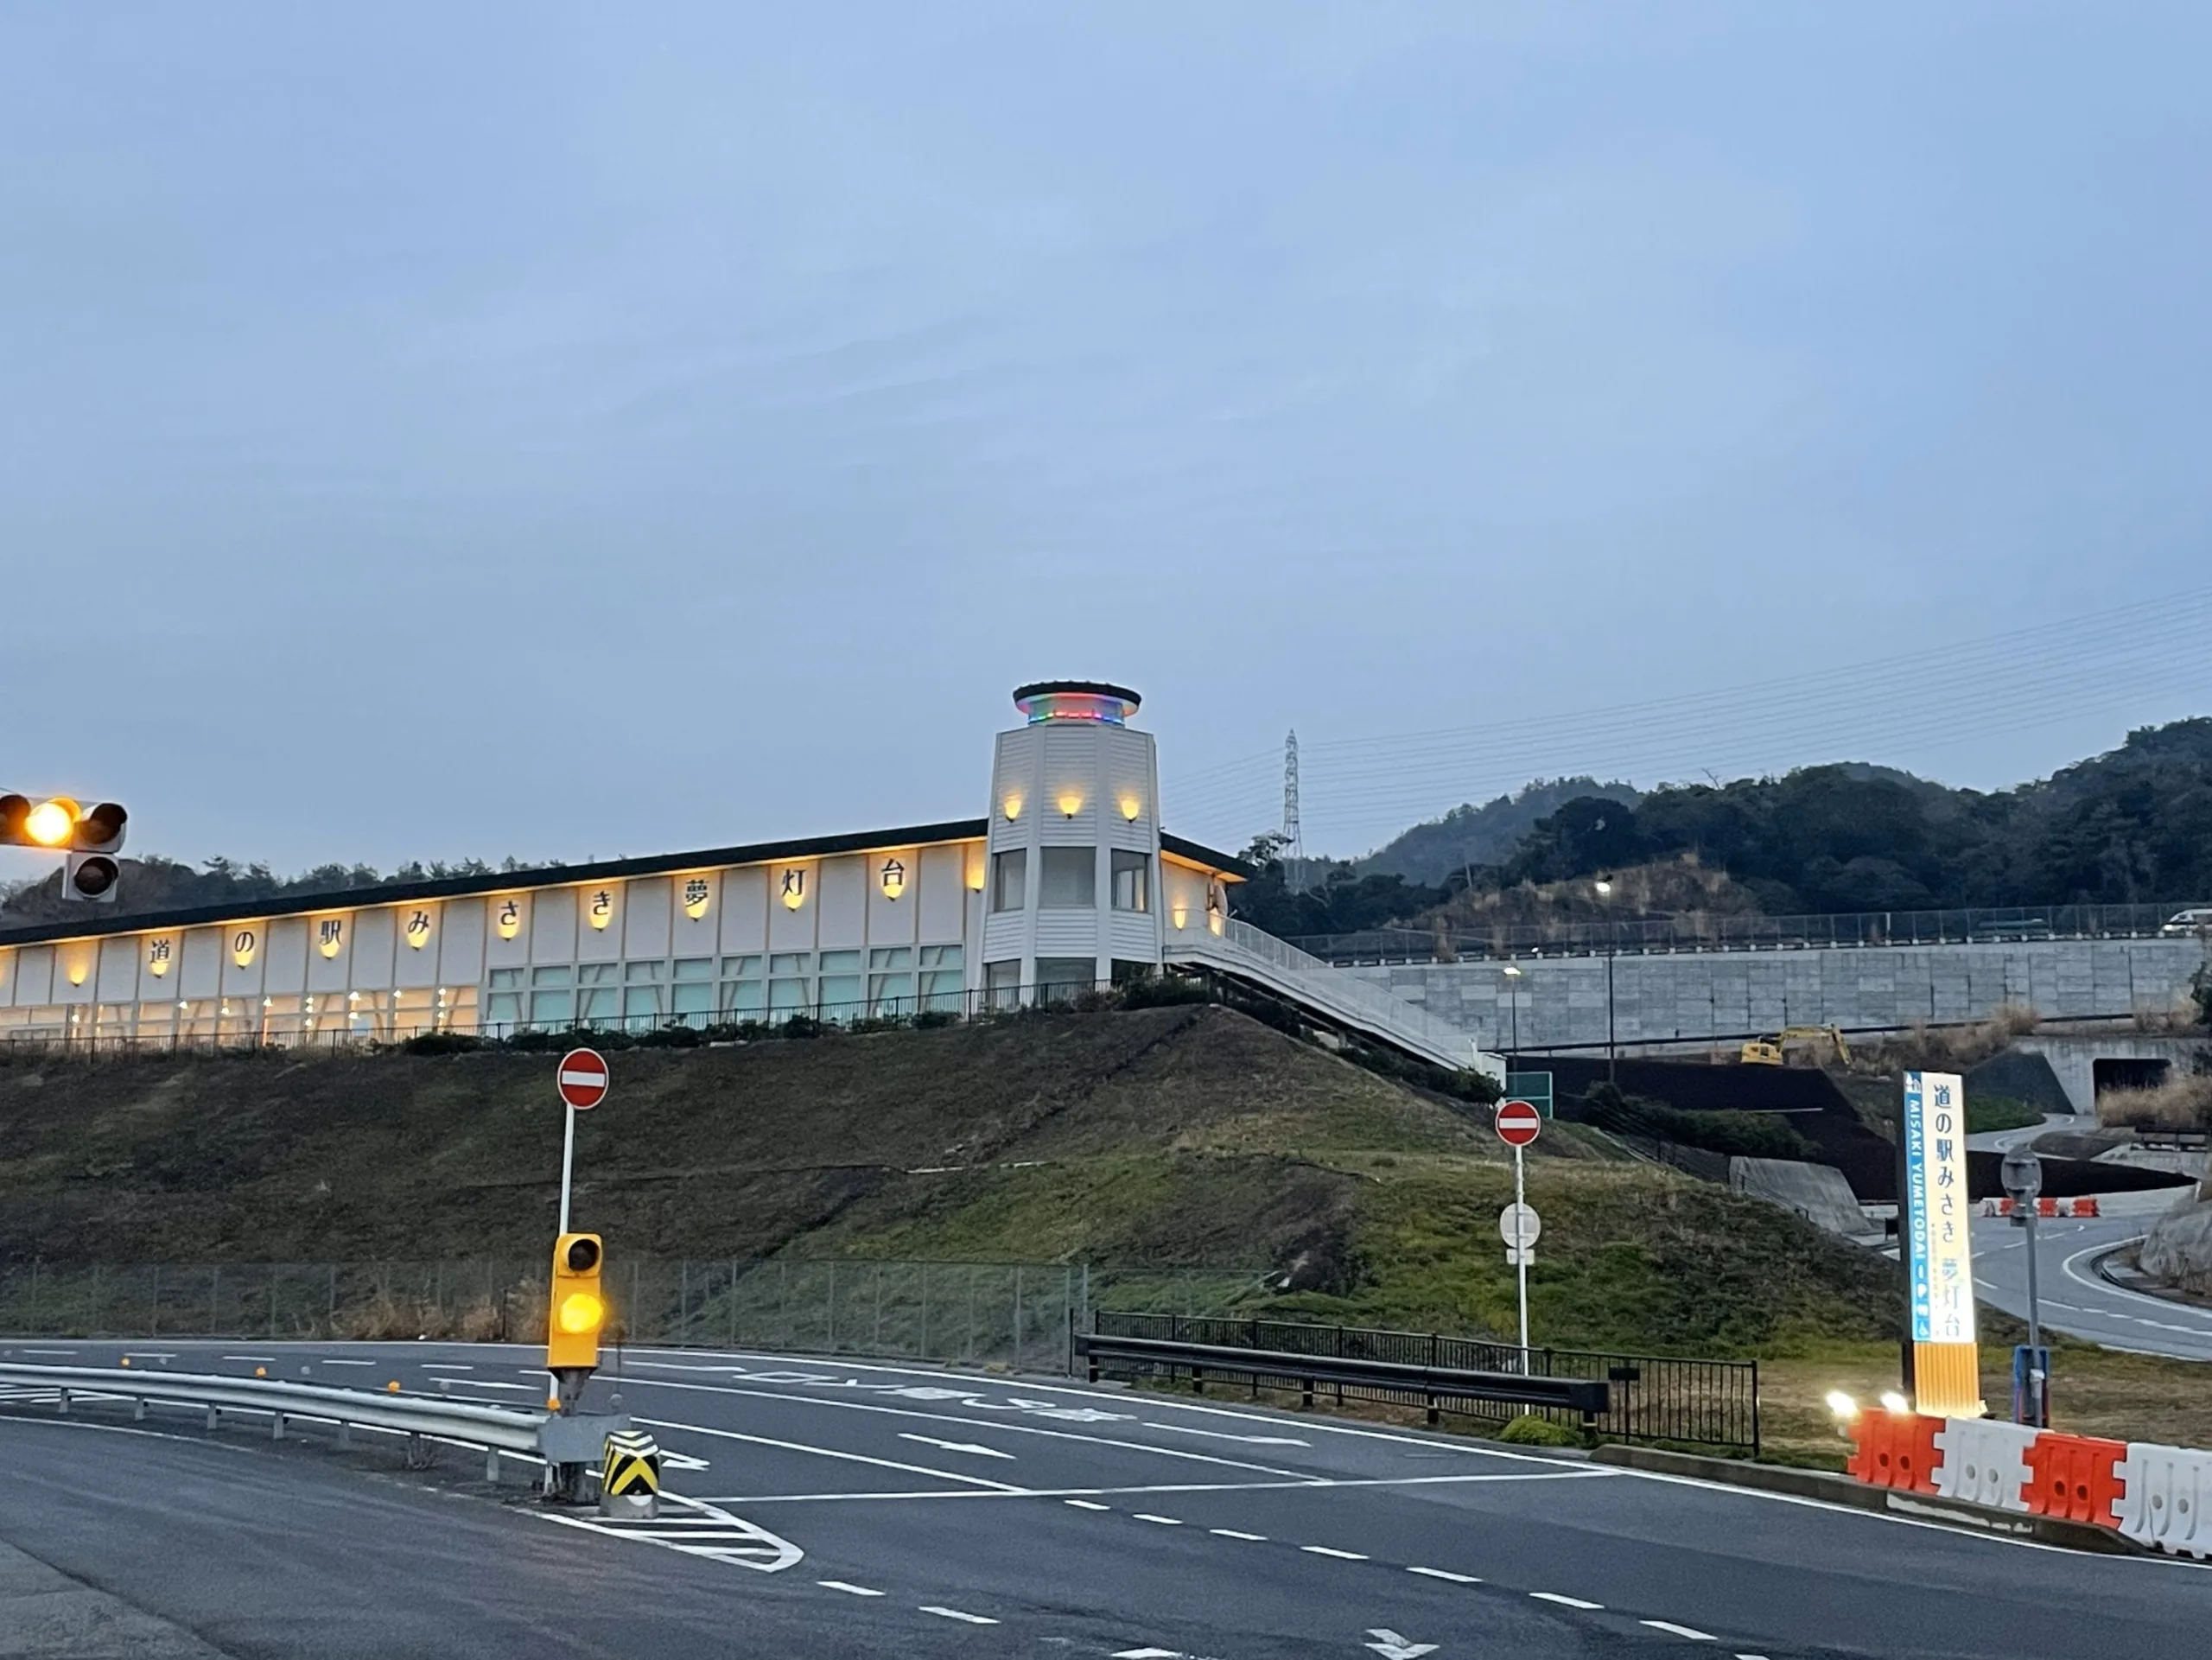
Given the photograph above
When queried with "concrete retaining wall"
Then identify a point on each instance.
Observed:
(1693, 996)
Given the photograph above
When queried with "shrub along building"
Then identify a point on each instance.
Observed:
(1068, 883)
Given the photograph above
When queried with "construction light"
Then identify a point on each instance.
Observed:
(1893, 1402)
(579, 1307)
(1841, 1404)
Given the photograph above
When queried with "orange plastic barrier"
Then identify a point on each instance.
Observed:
(2046, 1207)
(2075, 1476)
(1895, 1449)
(2085, 1207)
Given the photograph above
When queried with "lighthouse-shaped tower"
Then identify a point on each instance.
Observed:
(1071, 882)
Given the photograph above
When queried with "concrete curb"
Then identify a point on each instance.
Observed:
(1835, 1489)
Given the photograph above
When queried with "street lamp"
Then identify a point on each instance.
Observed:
(1512, 973)
(2022, 1175)
(1605, 886)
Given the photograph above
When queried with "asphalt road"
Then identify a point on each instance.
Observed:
(837, 1509)
(2073, 1298)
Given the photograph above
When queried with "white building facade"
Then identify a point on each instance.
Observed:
(1068, 882)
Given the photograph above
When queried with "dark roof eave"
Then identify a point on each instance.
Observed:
(1198, 853)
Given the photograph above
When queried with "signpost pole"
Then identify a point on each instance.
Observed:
(1520, 1264)
(568, 1162)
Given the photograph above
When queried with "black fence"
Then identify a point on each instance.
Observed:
(1698, 932)
(1662, 1399)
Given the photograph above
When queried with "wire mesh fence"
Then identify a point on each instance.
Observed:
(1665, 1399)
(1017, 1314)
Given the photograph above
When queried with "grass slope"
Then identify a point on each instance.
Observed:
(1157, 1138)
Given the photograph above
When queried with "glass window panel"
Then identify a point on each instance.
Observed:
(552, 1007)
(841, 962)
(1132, 881)
(1067, 878)
(642, 973)
(548, 977)
(1002, 982)
(597, 973)
(790, 962)
(504, 1008)
(506, 978)
(695, 968)
(941, 956)
(745, 999)
(788, 997)
(841, 993)
(891, 957)
(941, 989)
(890, 994)
(1009, 878)
(640, 1005)
(692, 1002)
(1060, 978)
(740, 968)
(600, 1003)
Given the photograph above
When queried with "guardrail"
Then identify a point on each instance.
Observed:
(1668, 1399)
(1702, 931)
(1268, 1367)
(496, 1429)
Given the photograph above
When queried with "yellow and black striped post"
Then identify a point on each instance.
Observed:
(629, 1477)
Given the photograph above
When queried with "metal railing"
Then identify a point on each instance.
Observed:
(1663, 1399)
(1271, 1368)
(1241, 950)
(495, 1428)
(1701, 932)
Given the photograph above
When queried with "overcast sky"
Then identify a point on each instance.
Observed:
(449, 430)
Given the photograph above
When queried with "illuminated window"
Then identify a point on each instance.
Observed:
(1132, 881)
(1009, 880)
(1067, 879)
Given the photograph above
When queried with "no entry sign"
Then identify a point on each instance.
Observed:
(1518, 1123)
(582, 1078)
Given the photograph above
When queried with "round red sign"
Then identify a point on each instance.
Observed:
(1518, 1122)
(582, 1078)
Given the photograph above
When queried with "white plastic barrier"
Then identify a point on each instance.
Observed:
(2167, 1490)
(1984, 1461)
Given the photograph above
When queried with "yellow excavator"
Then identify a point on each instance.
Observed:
(1768, 1051)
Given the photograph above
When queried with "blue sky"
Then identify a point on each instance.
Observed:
(471, 431)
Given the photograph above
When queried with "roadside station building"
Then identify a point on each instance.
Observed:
(1068, 882)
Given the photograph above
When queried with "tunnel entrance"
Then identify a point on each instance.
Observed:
(2128, 1072)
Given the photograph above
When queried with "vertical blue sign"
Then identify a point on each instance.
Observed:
(1937, 1252)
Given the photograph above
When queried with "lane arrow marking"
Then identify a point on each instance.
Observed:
(1391, 1646)
(956, 1446)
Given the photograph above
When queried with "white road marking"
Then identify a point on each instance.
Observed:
(1231, 1533)
(440, 1365)
(1235, 1415)
(1087, 1504)
(63, 1351)
(1157, 1521)
(833, 1452)
(1149, 1654)
(956, 1446)
(1325, 1550)
(327, 1361)
(955, 1613)
(849, 1590)
(1690, 1631)
(253, 1359)
(1000, 1490)
(700, 1530)
(1441, 1573)
(1223, 1435)
(149, 1354)
(1565, 1602)
(483, 1384)
(1391, 1646)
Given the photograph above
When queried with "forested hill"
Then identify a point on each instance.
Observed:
(2134, 825)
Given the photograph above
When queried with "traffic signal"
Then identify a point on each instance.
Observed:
(89, 840)
(579, 1310)
(92, 869)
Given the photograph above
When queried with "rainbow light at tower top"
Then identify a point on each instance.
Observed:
(1075, 700)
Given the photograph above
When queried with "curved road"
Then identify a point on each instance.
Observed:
(832, 1508)
(2074, 1298)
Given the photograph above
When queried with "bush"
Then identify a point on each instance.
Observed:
(1528, 1430)
(1744, 1135)
(2200, 991)
(1165, 991)
(931, 1020)
(441, 1043)
(1988, 1112)
(674, 1035)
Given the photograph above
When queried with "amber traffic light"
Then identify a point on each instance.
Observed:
(579, 1307)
